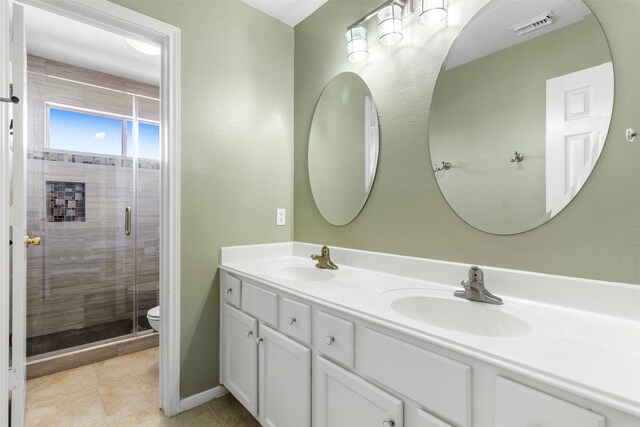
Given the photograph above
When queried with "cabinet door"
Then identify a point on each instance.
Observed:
(240, 361)
(517, 405)
(342, 399)
(285, 381)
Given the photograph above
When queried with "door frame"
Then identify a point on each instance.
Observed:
(109, 16)
(5, 303)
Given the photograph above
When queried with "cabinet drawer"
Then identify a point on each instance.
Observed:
(425, 419)
(334, 337)
(260, 303)
(441, 385)
(517, 405)
(231, 288)
(343, 399)
(295, 320)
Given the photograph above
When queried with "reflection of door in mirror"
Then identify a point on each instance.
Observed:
(371, 142)
(578, 117)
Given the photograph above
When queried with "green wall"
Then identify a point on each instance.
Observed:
(236, 153)
(238, 98)
(597, 236)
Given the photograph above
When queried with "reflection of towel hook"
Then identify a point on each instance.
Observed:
(631, 134)
(517, 157)
(444, 167)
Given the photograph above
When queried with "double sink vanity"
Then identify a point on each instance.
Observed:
(383, 341)
(516, 126)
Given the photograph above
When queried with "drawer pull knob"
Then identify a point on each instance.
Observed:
(291, 320)
(248, 333)
(259, 340)
(389, 423)
(229, 290)
(329, 340)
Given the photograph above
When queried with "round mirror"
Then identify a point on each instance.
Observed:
(520, 112)
(343, 148)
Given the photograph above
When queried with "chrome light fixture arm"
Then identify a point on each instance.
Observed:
(375, 11)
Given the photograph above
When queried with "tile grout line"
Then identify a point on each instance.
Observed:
(214, 414)
(104, 412)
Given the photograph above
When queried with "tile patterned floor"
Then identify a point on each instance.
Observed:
(119, 392)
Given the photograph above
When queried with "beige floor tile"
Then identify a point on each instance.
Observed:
(74, 380)
(66, 409)
(134, 394)
(144, 362)
(200, 416)
(231, 413)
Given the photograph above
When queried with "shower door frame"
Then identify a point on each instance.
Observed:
(117, 19)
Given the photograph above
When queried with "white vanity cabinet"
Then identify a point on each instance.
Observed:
(294, 361)
(540, 410)
(240, 357)
(343, 399)
(269, 373)
(284, 380)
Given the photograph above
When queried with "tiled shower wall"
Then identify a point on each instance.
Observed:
(83, 273)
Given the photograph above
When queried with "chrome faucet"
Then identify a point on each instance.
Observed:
(474, 289)
(324, 260)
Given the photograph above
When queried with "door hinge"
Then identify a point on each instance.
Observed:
(11, 99)
(15, 379)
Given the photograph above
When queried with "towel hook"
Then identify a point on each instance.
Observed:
(517, 157)
(444, 167)
(631, 134)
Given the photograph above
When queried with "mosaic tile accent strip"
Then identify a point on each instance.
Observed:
(126, 162)
(65, 201)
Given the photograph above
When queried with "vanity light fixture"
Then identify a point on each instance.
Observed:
(390, 15)
(357, 44)
(390, 24)
(432, 11)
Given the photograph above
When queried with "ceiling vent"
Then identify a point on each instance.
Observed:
(534, 24)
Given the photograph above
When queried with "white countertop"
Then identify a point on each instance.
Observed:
(586, 337)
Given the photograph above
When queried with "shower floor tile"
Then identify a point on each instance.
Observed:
(122, 391)
(74, 337)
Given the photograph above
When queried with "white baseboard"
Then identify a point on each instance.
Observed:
(203, 397)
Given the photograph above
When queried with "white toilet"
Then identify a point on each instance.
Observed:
(153, 316)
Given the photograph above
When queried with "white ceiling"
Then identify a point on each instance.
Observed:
(490, 30)
(65, 40)
(291, 12)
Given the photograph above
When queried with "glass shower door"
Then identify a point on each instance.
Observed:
(145, 148)
(81, 280)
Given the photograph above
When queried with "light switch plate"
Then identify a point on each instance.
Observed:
(281, 216)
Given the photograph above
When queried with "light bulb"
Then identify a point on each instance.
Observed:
(432, 11)
(390, 24)
(357, 44)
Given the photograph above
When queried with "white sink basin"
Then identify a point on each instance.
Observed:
(298, 272)
(441, 309)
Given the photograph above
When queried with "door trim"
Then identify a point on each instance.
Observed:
(115, 18)
(4, 214)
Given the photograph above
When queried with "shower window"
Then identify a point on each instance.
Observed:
(71, 130)
(76, 130)
(148, 140)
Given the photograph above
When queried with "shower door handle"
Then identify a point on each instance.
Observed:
(127, 221)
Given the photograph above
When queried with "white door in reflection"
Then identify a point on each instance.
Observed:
(577, 119)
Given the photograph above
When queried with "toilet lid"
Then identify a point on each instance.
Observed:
(154, 312)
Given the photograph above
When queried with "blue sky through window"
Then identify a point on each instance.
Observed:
(74, 131)
(148, 140)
